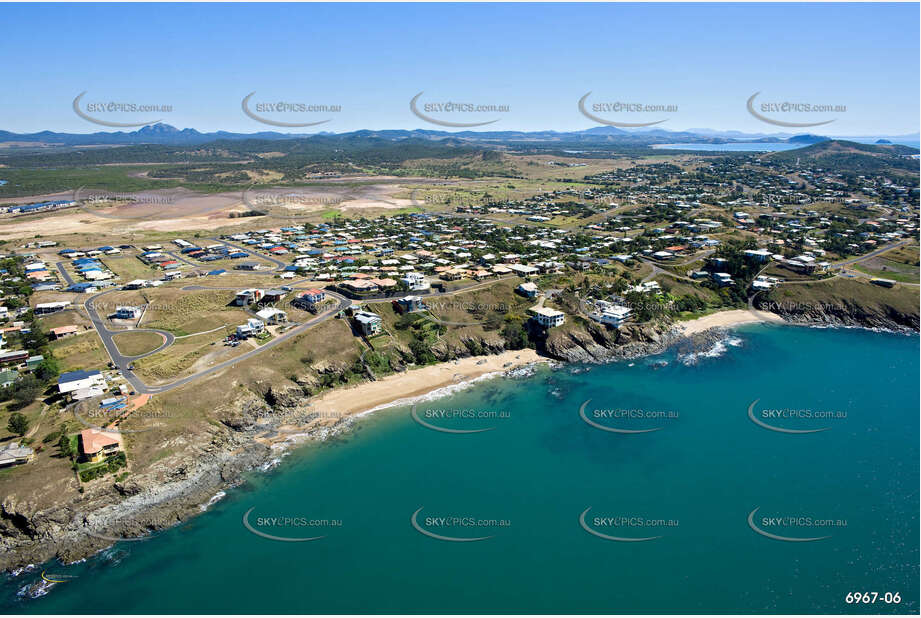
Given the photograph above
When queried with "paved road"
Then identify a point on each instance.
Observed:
(252, 251)
(64, 273)
(106, 335)
(656, 270)
(874, 253)
(181, 258)
(123, 362)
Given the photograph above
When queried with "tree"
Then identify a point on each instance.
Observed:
(515, 336)
(25, 390)
(65, 445)
(18, 424)
(47, 370)
(422, 352)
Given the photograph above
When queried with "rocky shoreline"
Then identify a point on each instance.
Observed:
(161, 497)
(843, 314)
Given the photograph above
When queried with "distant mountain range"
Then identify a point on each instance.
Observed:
(164, 134)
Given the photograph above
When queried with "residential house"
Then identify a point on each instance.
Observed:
(14, 454)
(271, 315)
(7, 377)
(127, 313)
(273, 296)
(369, 323)
(758, 255)
(415, 281)
(63, 331)
(251, 328)
(610, 314)
(309, 299)
(13, 357)
(97, 445)
(81, 384)
(45, 308)
(408, 304)
(248, 297)
(547, 317)
(528, 289)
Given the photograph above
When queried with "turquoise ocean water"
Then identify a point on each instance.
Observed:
(691, 485)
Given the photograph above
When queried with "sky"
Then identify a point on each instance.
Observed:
(536, 59)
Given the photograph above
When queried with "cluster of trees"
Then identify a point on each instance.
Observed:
(112, 464)
(27, 388)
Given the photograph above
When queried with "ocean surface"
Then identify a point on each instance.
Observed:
(770, 146)
(732, 147)
(690, 487)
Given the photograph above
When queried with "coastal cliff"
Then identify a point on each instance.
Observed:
(240, 434)
(844, 302)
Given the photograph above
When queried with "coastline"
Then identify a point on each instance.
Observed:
(136, 511)
(727, 319)
(340, 405)
(344, 404)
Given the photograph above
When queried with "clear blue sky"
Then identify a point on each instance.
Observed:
(539, 59)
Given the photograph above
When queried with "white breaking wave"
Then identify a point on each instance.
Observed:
(718, 349)
(214, 499)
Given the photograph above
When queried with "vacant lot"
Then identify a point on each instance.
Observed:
(177, 360)
(82, 351)
(899, 265)
(136, 343)
(128, 268)
(184, 313)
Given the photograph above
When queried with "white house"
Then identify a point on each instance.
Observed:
(610, 314)
(271, 315)
(14, 454)
(528, 289)
(369, 323)
(81, 384)
(547, 317)
(415, 281)
(252, 327)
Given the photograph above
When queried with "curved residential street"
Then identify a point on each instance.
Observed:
(123, 362)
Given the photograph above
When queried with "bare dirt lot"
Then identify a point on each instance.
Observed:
(167, 210)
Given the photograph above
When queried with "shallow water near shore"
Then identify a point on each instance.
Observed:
(689, 485)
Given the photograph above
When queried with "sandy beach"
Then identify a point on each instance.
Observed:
(726, 319)
(341, 402)
(416, 382)
(397, 388)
